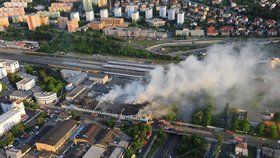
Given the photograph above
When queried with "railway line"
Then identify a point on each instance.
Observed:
(118, 68)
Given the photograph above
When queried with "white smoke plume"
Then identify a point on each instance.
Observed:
(226, 74)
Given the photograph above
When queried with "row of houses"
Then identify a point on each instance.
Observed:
(134, 32)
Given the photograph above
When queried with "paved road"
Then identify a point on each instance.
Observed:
(167, 148)
(210, 152)
(155, 48)
(251, 140)
(184, 54)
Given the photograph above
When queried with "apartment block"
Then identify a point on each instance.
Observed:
(55, 7)
(4, 22)
(9, 12)
(27, 1)
(72, 25)
(34, 21)
(62, 22)
(25, 84)
(15, 4)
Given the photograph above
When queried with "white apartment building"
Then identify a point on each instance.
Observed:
(118, 12)
(90, 16)
(45, 97)
(180, 18)
(3, 72)
(11, 66)
(162, 11)
(11, 118)
(10, 104)
(149, 13)
(130, 9)
(135, 16)
(171, 14)
(26, 84)
(104, 13)
(75, 15)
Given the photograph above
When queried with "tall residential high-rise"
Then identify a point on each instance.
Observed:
(90, 16)
(4, 22)
(72, 25)
(117, 11)
(34, 20)
(75, 15)
(180, 18)
(149, 13)
(171, 14)
(103, 13)
(102, 3)
(135, 16)
(162, 11)
(87, 5)
(62, 22)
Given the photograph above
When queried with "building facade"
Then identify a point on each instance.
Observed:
(103, 13)
(45, 97)
(26, 84)
(89, 15)
(11, 118)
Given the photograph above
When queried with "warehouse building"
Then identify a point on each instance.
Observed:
(56, 136)
(74, 93)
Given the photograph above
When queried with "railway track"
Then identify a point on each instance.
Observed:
(120, 68)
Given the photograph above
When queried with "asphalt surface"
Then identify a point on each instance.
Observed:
(167, 148)
(251, 140)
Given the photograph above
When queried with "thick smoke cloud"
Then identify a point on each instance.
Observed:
(226, 74)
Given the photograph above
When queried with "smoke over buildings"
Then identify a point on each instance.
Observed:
(225, 74)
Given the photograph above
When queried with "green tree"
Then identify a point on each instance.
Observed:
(9, 138)
(74, 113)
(14, 78)
(198, 118)
(29, 69)
(276, 117)
(272, 132)
(260, 130)
(235, 124)
(218, 146)
(110, 123)
(207, 116)
(18, 129)
(245, 126)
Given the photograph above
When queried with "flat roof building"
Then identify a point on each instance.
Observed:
(21, 95)
(94, 152)
(99, 78)
(11, 66)
(62, 22)
(11, 118)
(9, 12)
(45, 97)
(56, 136)
(106, 139)
(26, 84)
(74, 93)
(156, 22)
(4, 22)
(72, 25)
(88, 134)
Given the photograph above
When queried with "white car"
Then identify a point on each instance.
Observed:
(278, 141)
